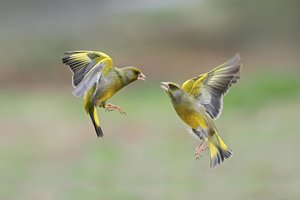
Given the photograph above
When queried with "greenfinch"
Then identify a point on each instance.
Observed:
(199, 101)
(96, 79)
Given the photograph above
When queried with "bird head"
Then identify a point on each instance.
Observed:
(172, 89)
(132, 74)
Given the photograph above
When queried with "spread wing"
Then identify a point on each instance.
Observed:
(210, 88)
(87, 67)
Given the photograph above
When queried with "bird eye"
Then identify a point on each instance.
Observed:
(172, 87)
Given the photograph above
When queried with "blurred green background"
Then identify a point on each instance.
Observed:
(48, 147)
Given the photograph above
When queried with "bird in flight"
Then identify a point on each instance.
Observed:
(96, 79)
(199, 102)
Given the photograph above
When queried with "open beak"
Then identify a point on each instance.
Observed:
(141, 77)
(165, 86)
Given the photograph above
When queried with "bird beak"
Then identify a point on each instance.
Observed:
(141, 77)
(165, 86)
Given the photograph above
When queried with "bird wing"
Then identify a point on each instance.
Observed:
(81, 62)
(188, 85)
(210, 88)
(87, 68)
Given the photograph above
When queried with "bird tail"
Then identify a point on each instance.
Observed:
(218, 150)
(94, 117)
(91, 110)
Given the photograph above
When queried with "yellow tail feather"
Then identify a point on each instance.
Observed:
(91, 109)
(95, 120)
(218, 150)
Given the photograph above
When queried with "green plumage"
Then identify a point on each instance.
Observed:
(199, 101)
(95, 78)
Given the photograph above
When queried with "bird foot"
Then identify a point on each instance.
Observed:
(110, 107)
(200, 149)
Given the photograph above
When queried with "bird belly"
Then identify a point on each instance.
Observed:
(196, 120)
(107, 94)
(193, 118)
(104, 96)
(105, 90)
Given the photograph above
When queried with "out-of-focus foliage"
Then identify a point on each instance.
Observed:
(156, 36)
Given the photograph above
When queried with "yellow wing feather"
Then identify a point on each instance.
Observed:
(188, 85)
(82, 62)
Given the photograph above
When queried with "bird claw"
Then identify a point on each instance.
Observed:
(110, 107)
(199, 150)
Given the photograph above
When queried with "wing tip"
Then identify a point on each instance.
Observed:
(237, 56)
(65, 59)
(235, 59)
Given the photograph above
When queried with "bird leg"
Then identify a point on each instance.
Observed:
(110, 107)
(200, 149)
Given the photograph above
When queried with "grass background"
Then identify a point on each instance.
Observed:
(49, 149)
